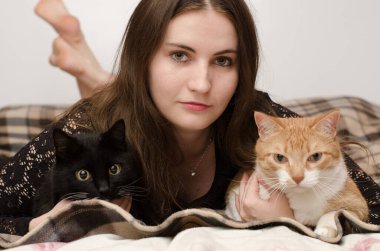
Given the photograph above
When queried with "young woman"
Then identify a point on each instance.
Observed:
(186, 89)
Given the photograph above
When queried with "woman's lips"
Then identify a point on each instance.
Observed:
(194, 106)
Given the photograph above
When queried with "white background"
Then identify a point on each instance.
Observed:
(309, 48)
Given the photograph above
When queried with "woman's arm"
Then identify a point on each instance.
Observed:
(21, 176)
(124, 202)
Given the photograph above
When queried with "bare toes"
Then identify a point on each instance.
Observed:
(51, 10)
(69, 29)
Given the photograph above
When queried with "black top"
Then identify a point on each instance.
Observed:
(21, 176)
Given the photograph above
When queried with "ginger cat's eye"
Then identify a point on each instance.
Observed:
(315, 157)
(280, 158)
(83, 175)
(115, 169)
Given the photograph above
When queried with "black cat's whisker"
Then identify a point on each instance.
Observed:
(135, 198)
(132, 187)
(135, 181)
(75, 196)
(132, 190)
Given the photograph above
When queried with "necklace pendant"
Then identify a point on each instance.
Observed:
(193, 173)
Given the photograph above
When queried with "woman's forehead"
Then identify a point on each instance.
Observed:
(202, 27)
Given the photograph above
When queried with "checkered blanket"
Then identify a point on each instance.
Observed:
(360, 122)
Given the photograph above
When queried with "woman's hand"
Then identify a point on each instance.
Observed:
(124, 202)
(36, 221)
(250, 206)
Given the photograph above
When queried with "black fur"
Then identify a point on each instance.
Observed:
(96, 154)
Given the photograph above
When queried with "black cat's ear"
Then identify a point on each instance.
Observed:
(65, 145)
(116, 133)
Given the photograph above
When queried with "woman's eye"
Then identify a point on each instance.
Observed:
(315, 157)
(115, 169)
(180, 57)
(83, 175)
(280, 158)
(223, 61)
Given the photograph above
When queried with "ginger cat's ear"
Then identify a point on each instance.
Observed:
(266, 125)
(328, 123)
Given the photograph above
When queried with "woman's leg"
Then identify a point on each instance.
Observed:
(71, 52)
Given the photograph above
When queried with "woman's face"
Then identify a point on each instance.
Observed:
(194, 73)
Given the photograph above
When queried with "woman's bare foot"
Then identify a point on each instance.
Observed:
(71, 52)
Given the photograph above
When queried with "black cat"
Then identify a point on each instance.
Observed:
(94, 165)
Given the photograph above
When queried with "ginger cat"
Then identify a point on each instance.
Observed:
(302, 158)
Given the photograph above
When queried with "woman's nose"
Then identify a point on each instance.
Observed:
(200, 78)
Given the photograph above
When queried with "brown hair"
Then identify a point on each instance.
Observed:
(149, 133)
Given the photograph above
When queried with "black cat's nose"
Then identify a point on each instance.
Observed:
(103, 188)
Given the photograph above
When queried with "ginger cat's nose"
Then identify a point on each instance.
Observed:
(298, 179)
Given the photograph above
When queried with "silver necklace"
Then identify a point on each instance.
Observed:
(193, 171)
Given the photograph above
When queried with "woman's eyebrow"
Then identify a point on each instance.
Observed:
(181, 46)
(185, 47)
(226, 52)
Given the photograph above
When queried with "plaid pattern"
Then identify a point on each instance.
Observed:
(20, 124)
(360, 122)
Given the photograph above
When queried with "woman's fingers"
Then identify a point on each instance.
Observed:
(124, 202)
(249, 196)
(251, 206)
(38, 220)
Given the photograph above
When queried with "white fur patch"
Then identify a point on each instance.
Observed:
(308, 199)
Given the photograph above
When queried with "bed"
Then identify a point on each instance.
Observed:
(99, 225)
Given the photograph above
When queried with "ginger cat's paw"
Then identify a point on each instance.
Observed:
(326, 231)
(326, 226)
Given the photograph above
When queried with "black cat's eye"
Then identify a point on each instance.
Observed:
(83, 175)
(115, 169)
(315, 157)
(280, 158)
